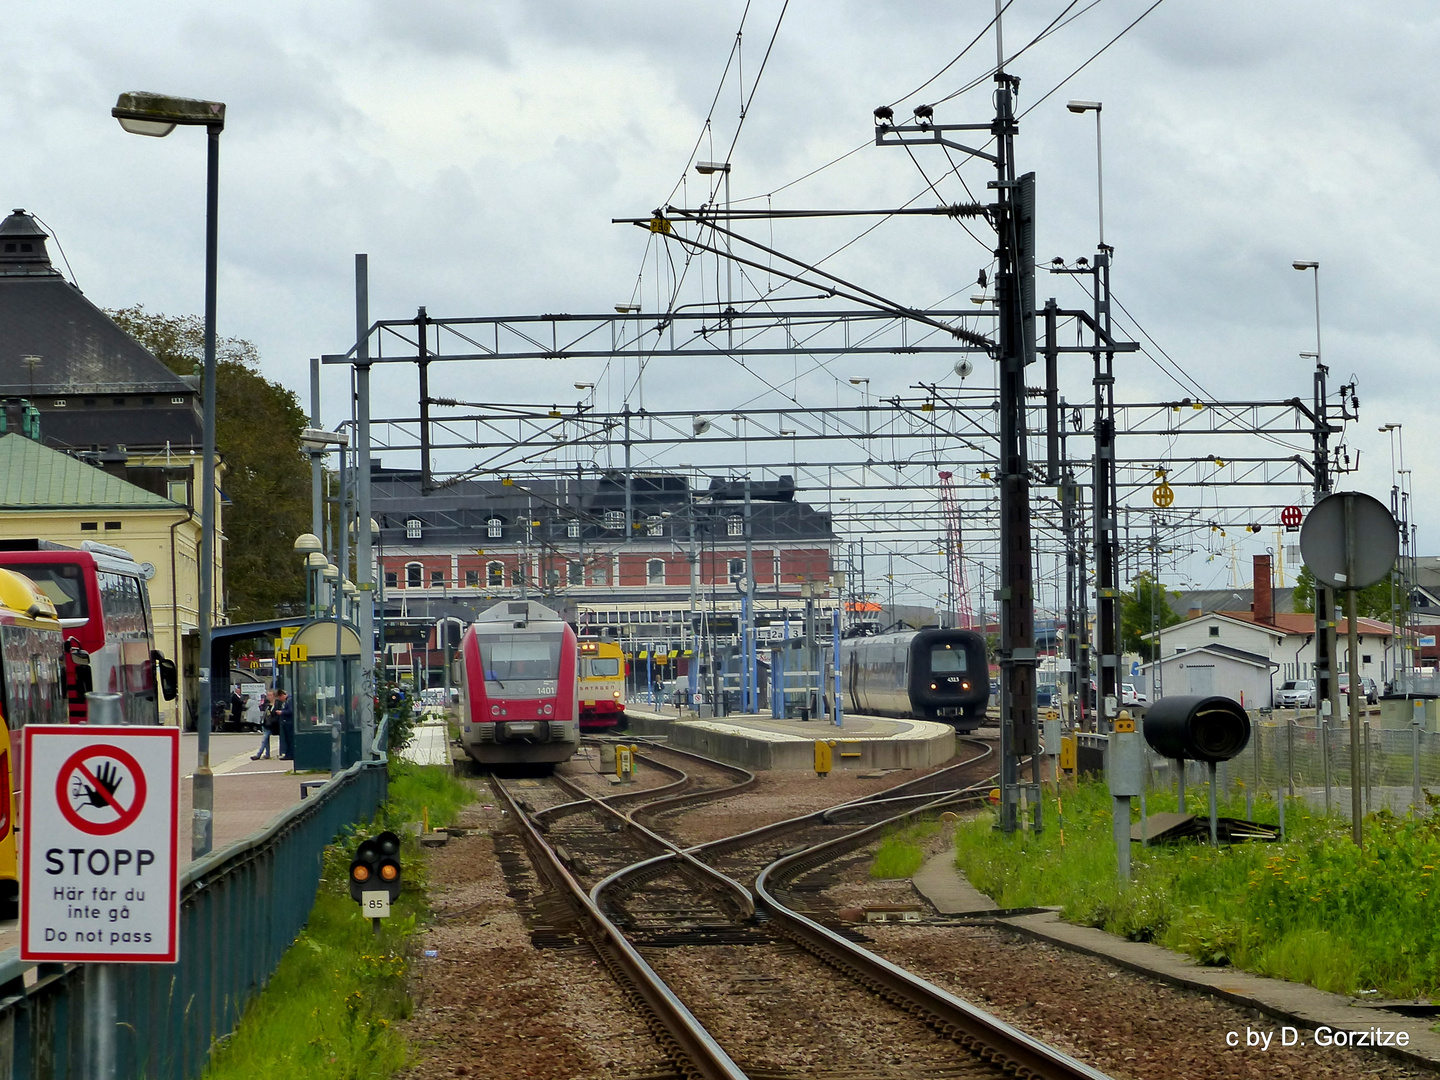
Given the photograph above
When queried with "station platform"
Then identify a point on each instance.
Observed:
(762, 742)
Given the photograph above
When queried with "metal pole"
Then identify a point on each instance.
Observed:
(202, 829)
(748, 630)
(1100, 176)
(363, 538)
(1417, 804)
(317, 512)
(1121, 820)
(1353, 634)
(1325, 759)
(1214, 838)
(839, 708)
(100, 1020)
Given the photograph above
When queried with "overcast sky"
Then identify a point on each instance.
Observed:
(477, 152)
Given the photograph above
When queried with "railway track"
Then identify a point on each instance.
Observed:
(748, 984)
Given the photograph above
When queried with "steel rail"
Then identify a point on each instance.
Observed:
(744, 901)
(703, 1057)
(983, 1034)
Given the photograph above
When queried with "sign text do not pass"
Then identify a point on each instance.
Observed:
(99, 847)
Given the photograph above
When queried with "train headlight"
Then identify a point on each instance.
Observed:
(964, 686)
(548, 710)
(494, 710)
(934, 687)
(616, 694)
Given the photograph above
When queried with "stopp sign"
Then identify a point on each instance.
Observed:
(1290, 516)
(101, 790)
(99, 846)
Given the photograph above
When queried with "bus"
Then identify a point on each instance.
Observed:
(103, 606)
(602, 684)
(32, 671)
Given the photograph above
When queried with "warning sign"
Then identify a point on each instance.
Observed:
(99, 858)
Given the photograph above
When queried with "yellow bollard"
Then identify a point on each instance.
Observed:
(424, 819)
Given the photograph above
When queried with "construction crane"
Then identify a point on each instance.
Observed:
(959, 588)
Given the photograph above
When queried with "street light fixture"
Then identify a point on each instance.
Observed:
(156, 115)
(1080, 108)
(1310, 264)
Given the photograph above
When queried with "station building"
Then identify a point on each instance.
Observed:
(457, 548)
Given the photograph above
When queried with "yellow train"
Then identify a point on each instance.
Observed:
(32, 670)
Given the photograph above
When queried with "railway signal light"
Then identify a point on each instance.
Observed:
(376, 869)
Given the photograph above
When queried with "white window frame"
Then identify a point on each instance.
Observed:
(655, 572)
(494, 528)
(735, 525)
(413, 527)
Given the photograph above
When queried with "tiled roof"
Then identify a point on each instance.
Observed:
(1305, 623)
(34, 477)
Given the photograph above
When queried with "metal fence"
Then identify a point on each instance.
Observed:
(241, 908)
(1307, 758)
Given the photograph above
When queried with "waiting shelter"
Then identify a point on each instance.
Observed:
(324, 683)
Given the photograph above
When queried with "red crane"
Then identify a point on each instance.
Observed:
(954, 554)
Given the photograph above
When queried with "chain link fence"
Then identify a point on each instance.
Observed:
(1309, 758)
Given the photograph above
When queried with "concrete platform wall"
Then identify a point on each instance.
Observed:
(759, 754)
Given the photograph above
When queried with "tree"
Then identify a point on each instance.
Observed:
(266, 479)
(1145, 601)
(1372, 602)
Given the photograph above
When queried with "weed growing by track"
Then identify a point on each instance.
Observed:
(902, 852)
(330, 1008)
(1313, 909)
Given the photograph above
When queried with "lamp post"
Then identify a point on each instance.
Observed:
(307, 544)
(156, 115)
(1395, 509)
(1080, 108)
(709, 168)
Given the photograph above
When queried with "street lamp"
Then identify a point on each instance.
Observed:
(156, 115)
(1080, 108)
(1303, 264)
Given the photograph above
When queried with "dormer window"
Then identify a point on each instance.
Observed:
(177, 401)
(412, 528)
(59, 403)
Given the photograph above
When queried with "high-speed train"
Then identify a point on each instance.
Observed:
(927, 674)
(518, 686)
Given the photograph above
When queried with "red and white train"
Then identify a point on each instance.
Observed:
(519, 700)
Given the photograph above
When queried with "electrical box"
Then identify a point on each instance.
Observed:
(1067, 753)
(1052, 737)
(1125, 764)
(824, 756)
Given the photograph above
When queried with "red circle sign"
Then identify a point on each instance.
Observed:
(1290, 516)
(104, 782)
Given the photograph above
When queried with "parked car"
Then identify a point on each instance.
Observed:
(1131, 694)
(1296, 694)
(1368, 690)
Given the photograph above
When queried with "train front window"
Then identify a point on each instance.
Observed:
(62, 582)
(603, 667)
(521, 657)
(946, 660)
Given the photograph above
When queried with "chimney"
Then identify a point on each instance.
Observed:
(1194, 613)
(1264, 605)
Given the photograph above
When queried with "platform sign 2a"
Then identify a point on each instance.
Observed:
(99, 848)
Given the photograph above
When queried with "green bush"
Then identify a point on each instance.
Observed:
(1315, 908)
(900, 853)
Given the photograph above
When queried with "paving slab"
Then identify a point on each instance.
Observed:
(1291, 1004)
(430, 745)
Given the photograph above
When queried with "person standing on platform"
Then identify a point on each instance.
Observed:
(284, 712)
(269, 725)
(237, 709)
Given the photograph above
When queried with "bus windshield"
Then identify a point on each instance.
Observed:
(62, 582)
(528, 657)
(947, 661)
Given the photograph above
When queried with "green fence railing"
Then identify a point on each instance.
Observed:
(240, 909)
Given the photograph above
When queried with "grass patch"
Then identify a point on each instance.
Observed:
(902, 852)
(330, 1008)
(1313, 909)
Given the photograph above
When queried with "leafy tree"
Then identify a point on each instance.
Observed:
(266, 478)
(1372, 602)
(1146, 595)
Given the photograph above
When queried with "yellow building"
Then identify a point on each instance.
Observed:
(49, 495)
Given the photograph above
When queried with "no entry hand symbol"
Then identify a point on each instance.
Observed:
(100, 790)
